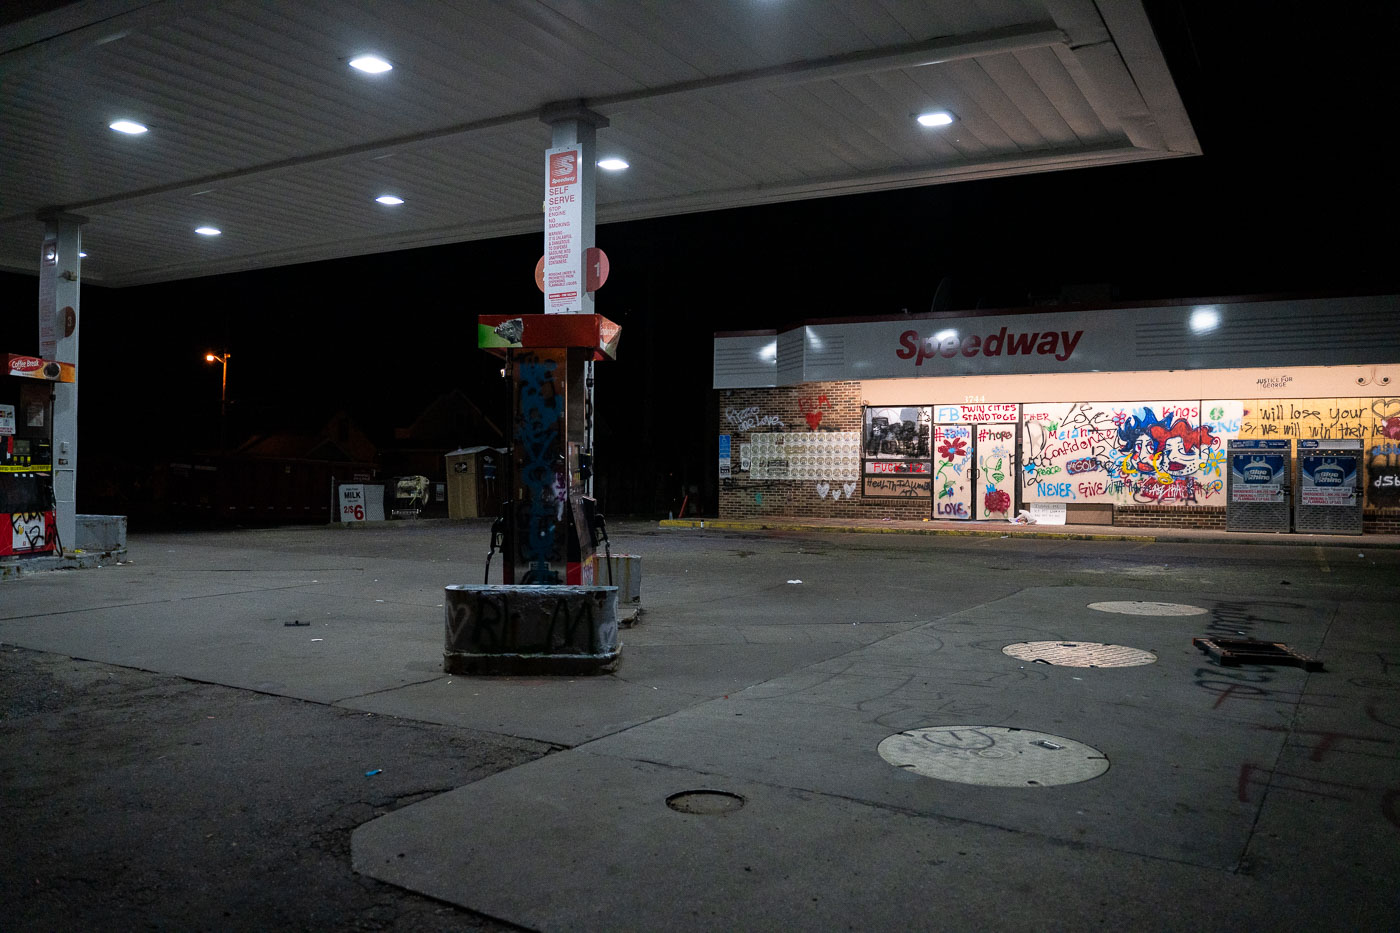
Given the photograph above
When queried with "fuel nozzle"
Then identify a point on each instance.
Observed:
(600, 533)
(498, 541)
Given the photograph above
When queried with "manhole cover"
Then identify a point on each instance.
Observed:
(704, 802)
(1138, 607)
(993, 756)
(1079, 654)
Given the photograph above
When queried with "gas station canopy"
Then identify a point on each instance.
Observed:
(257, 126)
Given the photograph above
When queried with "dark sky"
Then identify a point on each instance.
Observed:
(1291, 101)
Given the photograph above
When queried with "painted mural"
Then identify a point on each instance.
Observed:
(995, 478)
(1125, 453)
(1172, 453)
(952, 471)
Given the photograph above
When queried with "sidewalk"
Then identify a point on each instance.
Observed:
(1004, 529)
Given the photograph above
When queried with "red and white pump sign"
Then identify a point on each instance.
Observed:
(563, 231)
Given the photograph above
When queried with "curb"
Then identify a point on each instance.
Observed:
(84, 560)
(1286, 540)
(731, 525)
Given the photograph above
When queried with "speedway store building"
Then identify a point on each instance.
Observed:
(1119, 415)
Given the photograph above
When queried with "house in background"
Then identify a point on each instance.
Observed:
(450, 422)
(287, 476)
(339, 440)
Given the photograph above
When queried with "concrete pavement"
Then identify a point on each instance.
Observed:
(1233, 797)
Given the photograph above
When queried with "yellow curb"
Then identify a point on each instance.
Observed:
(731, 525)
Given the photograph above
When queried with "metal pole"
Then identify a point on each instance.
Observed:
(223, 406)
(572, 124)
(59, 331)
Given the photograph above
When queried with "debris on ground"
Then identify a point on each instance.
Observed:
(1232, 652)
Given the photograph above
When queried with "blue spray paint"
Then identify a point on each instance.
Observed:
(537, 433)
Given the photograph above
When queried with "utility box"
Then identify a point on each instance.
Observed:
(1330, 487)
(624, 571)
(1257, 485)
(101, 532)
(475, 480)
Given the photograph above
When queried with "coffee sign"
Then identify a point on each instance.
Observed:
(36, 367)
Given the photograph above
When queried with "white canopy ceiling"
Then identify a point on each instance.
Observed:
(258, 126)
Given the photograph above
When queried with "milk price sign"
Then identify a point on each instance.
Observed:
(352, 503)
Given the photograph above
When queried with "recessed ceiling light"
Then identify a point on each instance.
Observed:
(935, 118)
(130, 127)
(389, 199)
(208, 231)
(613, 164)
(371, 64)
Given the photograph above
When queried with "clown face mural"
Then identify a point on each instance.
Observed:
(1162, 456)
(1179, 448)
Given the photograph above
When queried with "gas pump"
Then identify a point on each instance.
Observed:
(549, 615)
(550, 526)
(27, 520)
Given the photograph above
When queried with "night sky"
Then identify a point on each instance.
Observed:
(1291, 102)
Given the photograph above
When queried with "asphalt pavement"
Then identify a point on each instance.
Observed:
(810, 729)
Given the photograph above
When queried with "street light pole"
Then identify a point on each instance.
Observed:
(212, 357)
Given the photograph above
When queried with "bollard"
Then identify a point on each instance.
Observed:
(522, 629)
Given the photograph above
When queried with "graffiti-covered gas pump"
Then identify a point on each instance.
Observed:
(38, 409)
(550, 527)
(550, 614)
(27, 509)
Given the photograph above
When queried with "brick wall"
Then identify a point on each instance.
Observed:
(1146, 516)
(807, 407)
(1381, 522)
(1156, 516)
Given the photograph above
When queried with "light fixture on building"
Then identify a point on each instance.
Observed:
(1204, 320)
(389, 199)
(129, 127)
(208, 231)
